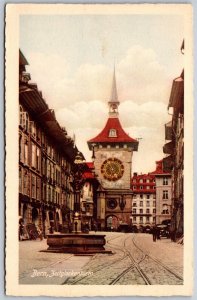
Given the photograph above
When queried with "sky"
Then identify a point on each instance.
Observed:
(72, 57)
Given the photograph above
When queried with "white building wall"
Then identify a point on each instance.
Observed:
(141, 216)
(163, 203)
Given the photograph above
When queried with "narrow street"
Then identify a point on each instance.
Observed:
(136, 260)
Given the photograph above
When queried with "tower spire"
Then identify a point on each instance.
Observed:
(113, 103)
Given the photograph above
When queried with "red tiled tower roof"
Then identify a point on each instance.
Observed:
(113, 132)
(122, 136)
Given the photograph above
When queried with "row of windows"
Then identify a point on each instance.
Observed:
(25, 184)
(109, 146)
(144, 187)
(142, 203)
(36, 133)
(141, 211)
(31, 186)
(144, 219)
(143, 180)
(165, 180)
(30, 155)
(141, 196)
(49, 194)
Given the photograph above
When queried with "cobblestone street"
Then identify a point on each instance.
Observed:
(136, 259)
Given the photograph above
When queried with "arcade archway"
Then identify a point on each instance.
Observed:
(35, 219)
(112, 222)
(25, 215)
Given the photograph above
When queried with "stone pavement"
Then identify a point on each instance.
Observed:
(130, 257)
(46, 268)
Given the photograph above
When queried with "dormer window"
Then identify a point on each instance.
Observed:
(112, 133)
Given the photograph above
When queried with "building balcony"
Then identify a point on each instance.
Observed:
(168, 148)
(168, 163)
(168, 131)
(177, 94)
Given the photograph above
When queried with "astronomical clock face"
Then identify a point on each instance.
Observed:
(112, 169)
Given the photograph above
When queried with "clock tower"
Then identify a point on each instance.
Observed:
(113, 150)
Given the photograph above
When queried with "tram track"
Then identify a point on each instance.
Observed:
(138, 263)
(126, 254)
(100, 268)
(156, 260)
(134, 265)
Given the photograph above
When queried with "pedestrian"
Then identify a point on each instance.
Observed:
(70, 227)
(158, 233)
(87, 228)
(40, 233)
(51, 229)
(76, 224)
(95, 227)
(154, 232)
(32, 235)
(21, 232)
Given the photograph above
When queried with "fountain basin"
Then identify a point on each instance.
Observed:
(78, 243)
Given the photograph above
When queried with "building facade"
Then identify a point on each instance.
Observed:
(46, 157)
(143, 213)
(174, 150)
(163, 194)
(112, 153)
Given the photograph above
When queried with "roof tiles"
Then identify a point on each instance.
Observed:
(121, 135)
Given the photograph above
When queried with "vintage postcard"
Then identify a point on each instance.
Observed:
(99, 149)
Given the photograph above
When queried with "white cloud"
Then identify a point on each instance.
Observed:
(80, 98)
(141, 77)
(83, 115)
(149, 114)
(150, 147)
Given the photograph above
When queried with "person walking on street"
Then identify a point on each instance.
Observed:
(95, 227)
(154, 232)
(158, 234)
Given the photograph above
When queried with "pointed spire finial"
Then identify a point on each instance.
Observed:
(114, 94)
(113, 103)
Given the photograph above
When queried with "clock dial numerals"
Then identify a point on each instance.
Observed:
(112, 169)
